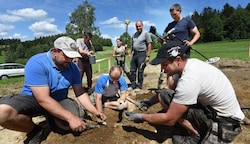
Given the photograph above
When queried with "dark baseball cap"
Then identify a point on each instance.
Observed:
(170, 50)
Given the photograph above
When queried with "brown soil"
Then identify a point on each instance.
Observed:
(119, 130)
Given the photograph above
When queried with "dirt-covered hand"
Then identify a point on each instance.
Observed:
(132, 116)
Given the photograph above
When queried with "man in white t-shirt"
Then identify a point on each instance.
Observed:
(203, 101)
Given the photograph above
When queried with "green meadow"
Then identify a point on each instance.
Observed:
(224, 49)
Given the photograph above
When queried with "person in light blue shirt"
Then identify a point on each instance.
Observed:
(110, 90)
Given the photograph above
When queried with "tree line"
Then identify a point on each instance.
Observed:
(228, 24)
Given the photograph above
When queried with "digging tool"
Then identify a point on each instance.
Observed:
(132, 101)
(137, 104)
(89, 126)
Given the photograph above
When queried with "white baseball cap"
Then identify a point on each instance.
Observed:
(68, 46)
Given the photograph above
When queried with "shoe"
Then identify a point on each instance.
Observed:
(137, 89)
(37, 135)
(190, 139)
(130, 88)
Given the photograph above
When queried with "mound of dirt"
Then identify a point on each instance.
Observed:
(119, 130)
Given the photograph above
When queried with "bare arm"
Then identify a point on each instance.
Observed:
(196, 36)
(99, 102)
(169, 118)
(84, 99)
(172, 116)
(149, 46)
(123, 95)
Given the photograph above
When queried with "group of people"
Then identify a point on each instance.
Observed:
(192, 98)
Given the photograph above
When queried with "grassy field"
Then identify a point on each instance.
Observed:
(223, 49)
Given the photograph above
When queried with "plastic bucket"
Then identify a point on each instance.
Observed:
(92, 59)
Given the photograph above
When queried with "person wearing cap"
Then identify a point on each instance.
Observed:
(141, 49)
(204, 101)
(86, 50)
(48, 77)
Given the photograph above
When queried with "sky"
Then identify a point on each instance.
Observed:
(30, 19)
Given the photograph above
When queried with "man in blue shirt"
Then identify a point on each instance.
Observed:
(107, 88)
(48, 77)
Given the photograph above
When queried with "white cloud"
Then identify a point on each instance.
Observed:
(43, 28)
(105, 36)
(148, 23)
(6, 28)
(112, 20)
(19, 36)
(3, 34)
(29, 13)
(9, 18)
(115, 23)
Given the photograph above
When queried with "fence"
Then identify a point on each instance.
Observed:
(98, 61)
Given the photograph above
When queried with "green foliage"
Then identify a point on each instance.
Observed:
(82, 20)
(230, 23)
(126, 39)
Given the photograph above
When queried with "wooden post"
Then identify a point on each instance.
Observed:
(248, 50)
(109, 65)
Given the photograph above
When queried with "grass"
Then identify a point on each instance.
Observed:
(223, 49)
(11, 80)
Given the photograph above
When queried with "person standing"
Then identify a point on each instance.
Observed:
(86, 50)
(204, 100)
(141, 49)
(48, 77)
(182, 27)
(119, 53)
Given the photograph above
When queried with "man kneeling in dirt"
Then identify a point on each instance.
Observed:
(107, 89)
(48, 77)
(204, 101)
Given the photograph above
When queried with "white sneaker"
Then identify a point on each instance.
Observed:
(130, 88)
(137, 89)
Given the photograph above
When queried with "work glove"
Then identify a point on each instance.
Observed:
(142, 105)
(122, 105)
(132, 116)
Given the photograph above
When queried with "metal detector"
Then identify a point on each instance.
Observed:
(169, 33)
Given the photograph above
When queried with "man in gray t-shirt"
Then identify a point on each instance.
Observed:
(141, 48)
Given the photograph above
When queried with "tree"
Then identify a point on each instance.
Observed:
(82, 19)
(126, 39)
(214, 29)
(238, 24)
(227, 11)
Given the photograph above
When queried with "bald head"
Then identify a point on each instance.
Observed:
(115, 72)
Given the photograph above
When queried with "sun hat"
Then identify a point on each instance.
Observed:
(170, 50)
(68, 46)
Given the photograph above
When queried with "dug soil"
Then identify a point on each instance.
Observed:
(119, 130)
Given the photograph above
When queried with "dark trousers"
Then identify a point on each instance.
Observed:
(137, 64)
(86, 67)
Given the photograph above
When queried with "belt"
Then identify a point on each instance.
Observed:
(138, 52)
